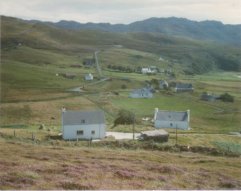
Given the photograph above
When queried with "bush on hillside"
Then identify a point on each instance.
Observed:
(155, 83)
(123, 86)
(124, 117)
(226, 97)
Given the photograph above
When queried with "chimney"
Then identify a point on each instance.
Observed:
(155, 114)
(63, 111)
(188, 115)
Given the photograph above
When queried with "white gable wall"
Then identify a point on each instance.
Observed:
(89, 77)
(171, 124)
(183, 89)
(70, 131)
(141, 95)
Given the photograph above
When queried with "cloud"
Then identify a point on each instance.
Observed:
(122, 11)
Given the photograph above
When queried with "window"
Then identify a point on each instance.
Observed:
(92, 132)
(82, 121)
(80, 132)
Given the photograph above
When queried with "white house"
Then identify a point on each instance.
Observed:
(150, 70)
(171, 119)
(89, 77)
(145, 70)
(141, 93)
(83, 125)
(163, 84)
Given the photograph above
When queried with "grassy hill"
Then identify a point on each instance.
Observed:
(194, 56)
(172, 26)
(34, 54)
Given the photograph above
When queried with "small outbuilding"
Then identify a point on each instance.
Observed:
(69, 75)
(83, 125)
(156, 135)
(89, 62)
(209, 97)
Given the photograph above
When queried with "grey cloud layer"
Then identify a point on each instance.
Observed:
(122, 11)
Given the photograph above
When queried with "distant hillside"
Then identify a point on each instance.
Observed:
(193, 56)
(205, 30)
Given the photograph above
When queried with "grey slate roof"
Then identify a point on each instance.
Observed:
(172, 116)
(183, 86)
(209, 97)
(77, 117)
(142, 91)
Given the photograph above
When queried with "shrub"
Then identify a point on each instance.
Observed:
(124, 117)
(228, 147)
(226, 97)
(123, 86)
(155, 83)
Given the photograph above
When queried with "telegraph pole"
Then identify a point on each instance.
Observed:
(176, 134)
(133, 125)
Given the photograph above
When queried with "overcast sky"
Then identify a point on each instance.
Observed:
(122, 11)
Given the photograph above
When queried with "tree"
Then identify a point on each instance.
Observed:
(124, 117)
(138, 69)
(155, 83)
(123, 86)
(226, 97)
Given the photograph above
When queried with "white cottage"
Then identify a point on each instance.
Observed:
(141, 93)
(172, 119)
(83, 125)
(163, 84)
(89, 77)
(145, 70)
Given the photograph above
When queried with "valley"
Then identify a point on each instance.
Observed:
(41, 63)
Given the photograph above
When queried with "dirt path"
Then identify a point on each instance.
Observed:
(119, 135)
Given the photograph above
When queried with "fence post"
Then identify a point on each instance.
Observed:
(90, 141)
(14, 134)
(33, 137)
(176, 134)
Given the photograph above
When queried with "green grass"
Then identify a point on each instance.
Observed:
(38, 112)
(219, 76)
(40, 56)
(21, 75)
(203, 117)
(228, 146)
(14, 126)
(129, 57)
(194, 55)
